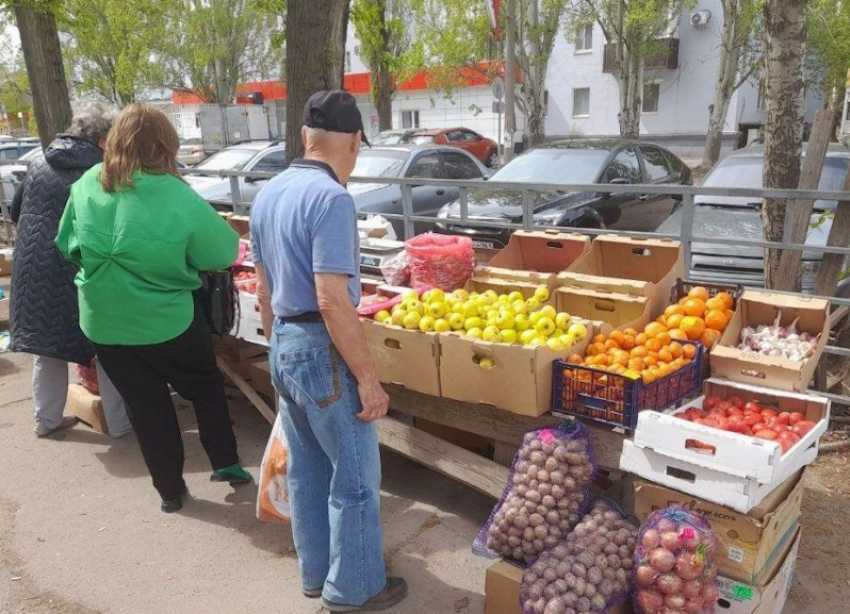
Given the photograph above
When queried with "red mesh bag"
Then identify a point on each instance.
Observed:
(443, 261)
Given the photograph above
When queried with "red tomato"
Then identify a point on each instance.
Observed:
(777, 424)
(710, 402)
(752, 420)
(784, 417)
(803, 427)
(785, 444)
(765, 434)
(734, 411)
(767, 414)
(736, 401)
(717, 411)
(758, 426)
(752, 406)
(722, 423)
(796, 417)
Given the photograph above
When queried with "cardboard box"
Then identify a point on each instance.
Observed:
(748, 543)
(733, 453)
(6, 258)
(502, 589)
(756, 308)
(519, 381)
(467, 441)
(639, 267)
(404, 357)
(527, 283)
(239, 223)
(608, 311)
(742, 598)
(261, 379)
(529, 252)
(251, 331)
(87, 407)
(249, 306)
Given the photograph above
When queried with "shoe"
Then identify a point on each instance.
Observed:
(234, 474)
(42, 431)
(392, 595)
(169, 506)
(122, 435)
(312, 593)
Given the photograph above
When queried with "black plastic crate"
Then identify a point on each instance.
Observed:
(683, 286)
(617, 399)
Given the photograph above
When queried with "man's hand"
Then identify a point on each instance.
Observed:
(374, 400)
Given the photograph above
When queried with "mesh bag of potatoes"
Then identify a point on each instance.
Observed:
(545, 497)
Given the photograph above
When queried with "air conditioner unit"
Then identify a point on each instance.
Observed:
(700, 19)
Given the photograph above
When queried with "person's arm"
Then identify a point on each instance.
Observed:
(66, 238)
(17, 201)
(264, 300)
(344, 327)
(213, 244)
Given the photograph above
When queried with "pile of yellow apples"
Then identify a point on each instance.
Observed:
(497, 318)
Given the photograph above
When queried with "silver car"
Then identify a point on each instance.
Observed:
(12, 174)
(191, 151)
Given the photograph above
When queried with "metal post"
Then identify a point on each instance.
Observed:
(527, 209)
(5, 213)
(464, 204)
(407, 209)
(687, 229)
(236, 195)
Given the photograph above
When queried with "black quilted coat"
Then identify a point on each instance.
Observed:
(44, 311)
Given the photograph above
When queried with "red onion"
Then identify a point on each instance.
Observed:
(670, 540)
(677, 602)
(694, 606)
(651, 540)
(692, 589)
(646, 575)
(669, 583)
(689, 566)
(662, 559)
(650, 601)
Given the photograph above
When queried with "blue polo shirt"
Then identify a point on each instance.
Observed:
(304, 222)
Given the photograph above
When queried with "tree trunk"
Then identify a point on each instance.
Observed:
(727, 74)
(315, 43)
(43, 56)
(785, 23)
(630, 77)
(383, 96)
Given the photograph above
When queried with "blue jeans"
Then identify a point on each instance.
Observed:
(334, 467)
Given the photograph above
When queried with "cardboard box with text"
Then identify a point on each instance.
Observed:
(535, 251)
(608, 311)
(408, 358)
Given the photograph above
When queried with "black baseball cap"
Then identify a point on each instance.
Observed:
(334, 111)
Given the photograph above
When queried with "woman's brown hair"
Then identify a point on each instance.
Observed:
(141, 139)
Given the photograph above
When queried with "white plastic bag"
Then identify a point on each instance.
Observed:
(273, 494)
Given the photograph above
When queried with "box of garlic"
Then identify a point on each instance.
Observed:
(773, 340)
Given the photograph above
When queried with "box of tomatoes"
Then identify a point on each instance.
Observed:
(734, 445)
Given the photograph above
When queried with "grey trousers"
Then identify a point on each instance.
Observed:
(50, 391)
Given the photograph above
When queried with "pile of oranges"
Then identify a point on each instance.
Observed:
(699, 316)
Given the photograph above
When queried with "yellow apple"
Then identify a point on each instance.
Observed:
(545, 326)
(426, 324)
(534, 317)
(485, 362)
(521, 322)
(505, 319)
(436, 309)
(434, 296)
(416, 306)
(382, 316)
(562, 321)
(492, 334)
(470, 309)
(471, 323)
(578, 330)
(528, 336)
(456, 321)
(475, 333)
(515, 296)
(509, 335)
(519, 307)
(398, 316)
(411, 320)
(461, 294)
(555, 344)
(442, 326)
(568, 340)
(533, 304)
(542, 294)
(548, 311)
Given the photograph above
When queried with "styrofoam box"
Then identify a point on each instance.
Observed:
(249, 307)
(250, 330)
(733, 453)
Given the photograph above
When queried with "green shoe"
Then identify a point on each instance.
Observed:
(234, 474)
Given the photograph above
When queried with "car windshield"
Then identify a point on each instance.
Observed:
(186, 142)
(374, 163)
(227, 159)
(387, 138)
(554, 166)
(421, 139)
(747, 172)
(33, 155)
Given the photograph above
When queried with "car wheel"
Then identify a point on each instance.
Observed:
(492, 159)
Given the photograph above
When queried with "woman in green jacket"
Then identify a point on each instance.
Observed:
(139, 236)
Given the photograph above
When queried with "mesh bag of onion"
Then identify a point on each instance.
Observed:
(590, 572)
(545, 497)
(675, 568)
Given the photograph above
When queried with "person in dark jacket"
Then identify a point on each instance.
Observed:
(44, 306)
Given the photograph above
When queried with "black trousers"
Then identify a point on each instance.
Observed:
(142, 374)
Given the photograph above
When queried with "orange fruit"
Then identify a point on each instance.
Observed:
(693, 327)
(675, 321)
(640, 339)
(575, 359)
(729, 313)
(709, 338)
(676, 349)
(611, 345)
(636, 364)
(677, 364)
(628, 342)
(727, 299)
(699, 292)
(647, 376)
(629, 332)
(600, 338)
(596, 348)
(653, 345)
(664, 338)
(678, 333)
(674, 310)
(715, 303)
(684, 300)
(689, 352)
(653, 329)
(694, 307)
(664, 370)
(650, 361)
(639, 352)
(716, 320)
(620, 357)
(601, 360)
(661, 320)
(665, 355)
(617, 336)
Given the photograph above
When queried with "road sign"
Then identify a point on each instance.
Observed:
(498, 106)
(498, 86)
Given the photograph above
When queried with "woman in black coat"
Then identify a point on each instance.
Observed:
(44, 308)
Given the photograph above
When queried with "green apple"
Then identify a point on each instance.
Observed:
(426, 324)
(492, 334)
(411, 320)
(456, 321)
(545, 326)
(563, 320)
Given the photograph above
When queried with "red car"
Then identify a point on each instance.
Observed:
(481, 147)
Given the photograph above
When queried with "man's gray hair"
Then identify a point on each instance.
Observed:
(92, 122)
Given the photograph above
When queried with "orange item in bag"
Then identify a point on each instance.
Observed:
(273, 495)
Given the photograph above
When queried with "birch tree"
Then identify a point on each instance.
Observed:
(785, 26)
(740, 55)
(635, 30)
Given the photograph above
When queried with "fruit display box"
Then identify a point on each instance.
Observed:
(754, 309)
(408, 358)
(608, 311)
(734, 454)
(249, 306)
(250, 330)
(683, 286)
(619, 400)
(532, 252)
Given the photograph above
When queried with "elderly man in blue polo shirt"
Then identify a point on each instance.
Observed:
(306, 248)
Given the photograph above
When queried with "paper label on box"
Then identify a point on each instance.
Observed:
(736, 554)
(742, 592)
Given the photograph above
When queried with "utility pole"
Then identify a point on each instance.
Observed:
(510, 80)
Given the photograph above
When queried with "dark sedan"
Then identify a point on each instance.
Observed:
(574, 161)
(417, 161)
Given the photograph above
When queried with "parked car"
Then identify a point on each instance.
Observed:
(738, 217)
(481, 147)
(14, 150)
(574, 161)
(12, 174)
(257, 156)
(422, 161)
(191, 151)
(392, 137)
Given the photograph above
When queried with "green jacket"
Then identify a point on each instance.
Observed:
(139, 251)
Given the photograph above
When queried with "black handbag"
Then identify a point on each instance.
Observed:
(218, 299)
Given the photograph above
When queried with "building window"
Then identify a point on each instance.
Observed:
(410, 119)
(761, 104)
(584, 39)
(651, 95)
(581, 102)
(347, 62)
